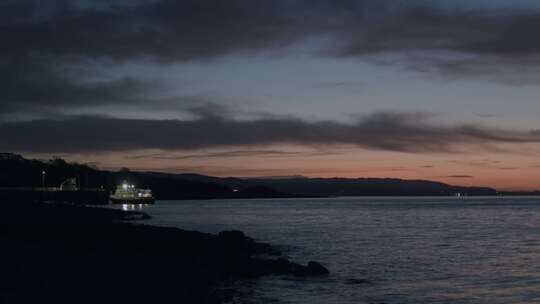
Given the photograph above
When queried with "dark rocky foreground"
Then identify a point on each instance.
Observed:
(67, 254)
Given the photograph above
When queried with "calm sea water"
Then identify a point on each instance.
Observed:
(384, 250)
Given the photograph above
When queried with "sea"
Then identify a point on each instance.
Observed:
(383, 250)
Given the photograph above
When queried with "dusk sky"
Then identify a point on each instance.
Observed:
(416, 89)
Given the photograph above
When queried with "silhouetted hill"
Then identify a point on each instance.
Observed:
(303, 186)
(353, 187)
(18, 172)
(261, 191)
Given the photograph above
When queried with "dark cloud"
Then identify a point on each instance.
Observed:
(49, 49)
(42, 41)
(340, 85)
(224, 154)
(381, 131)
(190, 29)
(41, 83)
(486, 115)
(166, 30)
(484, 163)
(170, 30)
(421, 27)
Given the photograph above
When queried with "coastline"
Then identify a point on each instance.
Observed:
(74, 254)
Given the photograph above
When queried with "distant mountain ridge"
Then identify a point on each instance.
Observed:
(304, 186)
(16, 171)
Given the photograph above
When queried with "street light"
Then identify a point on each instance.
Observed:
(42, 198)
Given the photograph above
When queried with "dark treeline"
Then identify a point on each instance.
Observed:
(16, 171)
(19, 172)
(320, 187)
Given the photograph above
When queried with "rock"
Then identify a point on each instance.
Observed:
(246, 244)
(236, 243)
(283, 266)
(312, 269)
(315, 268)
(235, 238)
(233, 235)
(224, 295)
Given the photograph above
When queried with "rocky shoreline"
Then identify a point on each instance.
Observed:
(69, 254)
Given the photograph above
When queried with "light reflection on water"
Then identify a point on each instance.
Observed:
(391, 250)
(132, 207)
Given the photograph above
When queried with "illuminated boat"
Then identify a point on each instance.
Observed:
(128, 194)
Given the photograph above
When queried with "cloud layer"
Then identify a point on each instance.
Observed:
(180, 30)
(46, 44)
(404, 132)
(55, 53)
